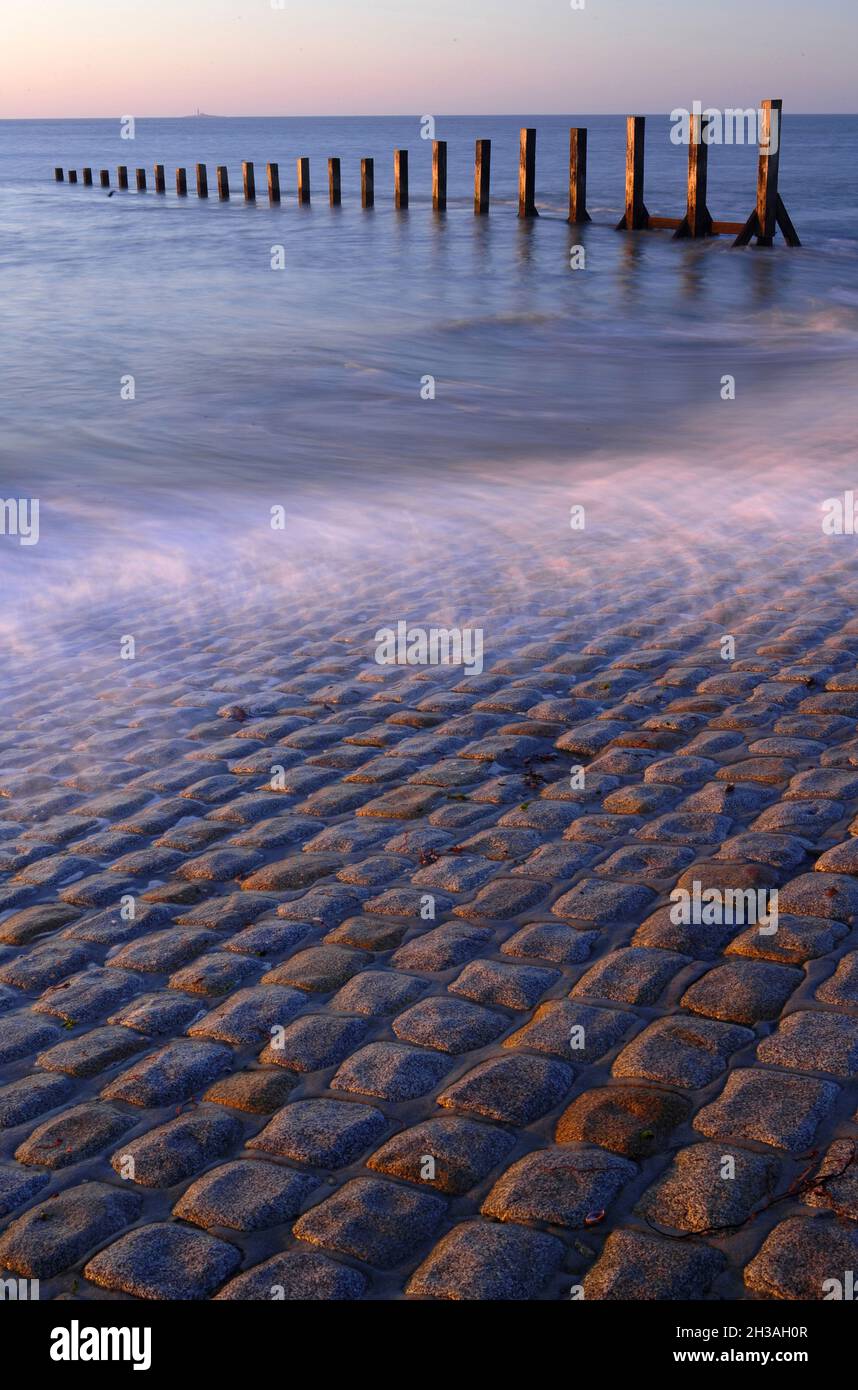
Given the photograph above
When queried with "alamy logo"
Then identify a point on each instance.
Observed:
(710, 907)
(19, 516)
(76, 1343)
(732, 126)
(19, 1290)
(840, 1290)
(840, 517)
(432, 646)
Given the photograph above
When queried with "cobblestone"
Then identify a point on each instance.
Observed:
(468, 959)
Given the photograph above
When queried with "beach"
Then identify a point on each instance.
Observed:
(331, 977)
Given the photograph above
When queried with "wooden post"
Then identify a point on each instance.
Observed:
(439, 175)
(636, 215)
(248, 179)
(202, 181)
(527, 173)
(578, 175)
(697, 221)
(770, 211)
(273, 172)
(141, 180)
(335, 192)
(303, 180)
(104, 177)
(59, 176)
(160, 184)
(367, 183)
(400, 178)
(122, 176)
(182, 183)
(482, 177)
(767, 171)
(223, 183)
(87, 177)
(72, 175)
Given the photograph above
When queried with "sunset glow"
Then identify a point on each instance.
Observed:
(357, 57)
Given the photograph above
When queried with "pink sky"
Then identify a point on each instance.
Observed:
(337, 57)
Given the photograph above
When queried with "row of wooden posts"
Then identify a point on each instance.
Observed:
(367, 178)
(769, 211)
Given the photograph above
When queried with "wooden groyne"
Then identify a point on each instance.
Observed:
(768, 215)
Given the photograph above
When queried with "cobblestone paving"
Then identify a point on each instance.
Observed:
(316, 1042)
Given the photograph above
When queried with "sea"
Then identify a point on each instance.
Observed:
(211, 398)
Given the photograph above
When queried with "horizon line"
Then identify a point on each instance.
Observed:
(379, 115)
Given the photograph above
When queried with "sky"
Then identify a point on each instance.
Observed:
(79, 58)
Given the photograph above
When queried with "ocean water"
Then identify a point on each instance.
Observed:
(300, 388)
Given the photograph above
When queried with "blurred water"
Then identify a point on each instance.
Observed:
(301, 387)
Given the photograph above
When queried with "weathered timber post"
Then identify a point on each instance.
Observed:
(482, 177)
(367, 183)
(527, 173)
(202, 181)
(248, 180)
(697, 221)
(770, 210)
(72, 175)
(273, 172)
(223, 183)
(767, 171)
(122, 176)
(182, 183)
(303, 180)
(578, 176)
(59, 176)
(635, 216)
(160, 184)
(335, 191)
(141, 180)
(439, 175)
(104, 178)
(400, 178)
(87, 177)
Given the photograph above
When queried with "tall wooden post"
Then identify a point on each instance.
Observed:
(223, 183)
(367, 183)
(202, 181)
(527, 173)
(182, 183)
(248, 180)
(578, 176)
(767, 171)
(87, 177)
(122, 176)
(400, 178)
(160, 185)
(141, 180)
(636, 215)
(104, 178)
(59, 176)
(697, 221)
(482, 177)
(303, 180)
(72, 175)
(439, 175)
(335, 191)
(770, 211)
(273, 172)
